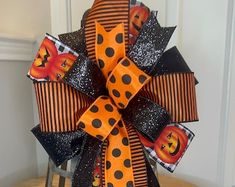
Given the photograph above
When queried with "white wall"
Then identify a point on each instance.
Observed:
(201, 37)
(17, 145)
(203, 45)
(25, 17)
(228, 155)
(21, 23)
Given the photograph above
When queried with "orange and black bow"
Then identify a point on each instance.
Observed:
(125, 92)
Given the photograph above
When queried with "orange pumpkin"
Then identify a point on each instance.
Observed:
(48, 64)
(138, 16)
(171, 144)
(145, 141)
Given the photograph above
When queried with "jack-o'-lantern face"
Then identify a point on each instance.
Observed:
(97, 173)
(171, 144)
(50, 65)
(97, 180)
(138, 16)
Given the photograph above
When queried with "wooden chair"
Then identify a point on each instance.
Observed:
(63, 171)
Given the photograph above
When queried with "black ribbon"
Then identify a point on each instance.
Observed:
(147, 117)
(172, 62)
(86, 77)
(61, 146)
(64, 146)
(83, 174)
(150, 44)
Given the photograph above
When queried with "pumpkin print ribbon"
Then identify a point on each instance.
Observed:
(126, 91)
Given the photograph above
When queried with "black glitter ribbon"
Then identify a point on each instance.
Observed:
(147, 117)
(86, 77)
(150, 44)
(64, 146)
(83, 173)
(172, 62)
(60, 146)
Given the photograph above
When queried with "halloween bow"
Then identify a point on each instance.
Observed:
(128, 91)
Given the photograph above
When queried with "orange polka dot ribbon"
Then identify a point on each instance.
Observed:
(125, 79)
(109, 48)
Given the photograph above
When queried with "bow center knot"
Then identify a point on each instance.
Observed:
(100, 118)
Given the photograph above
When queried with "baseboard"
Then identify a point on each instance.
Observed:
(16, 48)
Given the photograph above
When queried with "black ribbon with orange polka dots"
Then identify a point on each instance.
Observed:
(111, 94)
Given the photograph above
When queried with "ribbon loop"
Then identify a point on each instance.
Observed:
(61, 146)
(86, 77)
(65, 108)
(176, 93)
(100, 118)
(149, 48)
(125, 81)
(147, 117)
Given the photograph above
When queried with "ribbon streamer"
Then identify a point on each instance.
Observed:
(85, 167)
(109, 13)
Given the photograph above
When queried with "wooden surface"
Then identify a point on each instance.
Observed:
(165, 181)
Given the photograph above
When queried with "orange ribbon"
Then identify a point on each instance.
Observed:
(102, 119)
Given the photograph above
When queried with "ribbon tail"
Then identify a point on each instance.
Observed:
(60, 146)
(138, 158)
(152, 179)
(83, 174)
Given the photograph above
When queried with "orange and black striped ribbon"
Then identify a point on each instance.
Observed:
(137, 154)
(59, 105)
(108, 13)
(176, 93)
(103, 161)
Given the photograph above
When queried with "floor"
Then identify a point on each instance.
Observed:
(165, 181)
